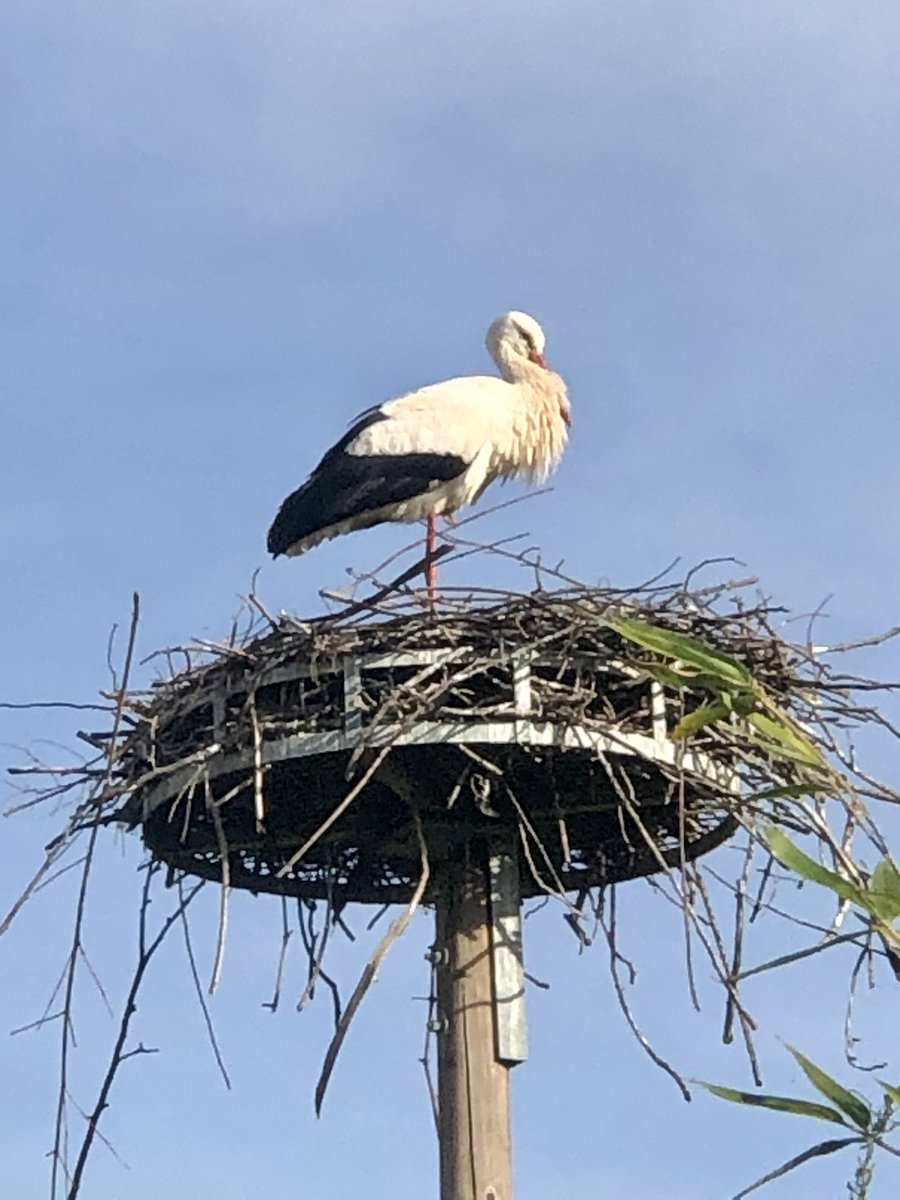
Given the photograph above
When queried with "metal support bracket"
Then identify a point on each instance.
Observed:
(510, 1019)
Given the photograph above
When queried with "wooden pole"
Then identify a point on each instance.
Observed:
(473, 1084)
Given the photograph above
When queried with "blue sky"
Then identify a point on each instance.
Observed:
(229, 227)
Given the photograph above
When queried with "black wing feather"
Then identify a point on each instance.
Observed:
(347, 487)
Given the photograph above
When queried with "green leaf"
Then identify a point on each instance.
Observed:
(743, 702)
(681, 678)
(857, 1110)
(818, 1151)
(890, 1090)
(802, 1108)
(698, 719)
(664, 675)
(790, 744)
(794, 859)
(883, 891)
(683, 648)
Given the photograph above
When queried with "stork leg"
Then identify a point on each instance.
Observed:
(430, 566)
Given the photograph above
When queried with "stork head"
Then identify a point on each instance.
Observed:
(515, 337)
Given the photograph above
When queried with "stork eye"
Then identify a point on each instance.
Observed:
(526, 337)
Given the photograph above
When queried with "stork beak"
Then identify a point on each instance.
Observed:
(539, 359)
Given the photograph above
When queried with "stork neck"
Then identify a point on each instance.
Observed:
(516, 369)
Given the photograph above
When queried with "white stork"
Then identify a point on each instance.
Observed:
(435, 450)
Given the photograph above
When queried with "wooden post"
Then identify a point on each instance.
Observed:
(473, 1083)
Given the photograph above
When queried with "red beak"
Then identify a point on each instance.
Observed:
(539, 359)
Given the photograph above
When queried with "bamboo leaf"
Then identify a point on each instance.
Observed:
(665, 675)
(890, 1090)
(792, 856)
(790, 743)
(857, 1110)
(742, 702)
(801, 1108)
(817, 1151)
(884, 890)
(682, 648)
(698, 719)
(682, 678)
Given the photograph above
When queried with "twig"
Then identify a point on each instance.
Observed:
(57, 1159)
(198, 987)
(119, 1054)
(336, 812)
(371, 971)
(105, 708)
(286, 932)
(609, 931)
(225, 888)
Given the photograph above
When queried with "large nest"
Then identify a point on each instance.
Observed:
(606, 735)
(601, 734)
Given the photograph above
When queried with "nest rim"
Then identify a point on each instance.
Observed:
(213, 837)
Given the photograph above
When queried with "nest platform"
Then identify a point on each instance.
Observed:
(322, 760)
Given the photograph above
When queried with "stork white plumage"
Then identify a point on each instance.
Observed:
(435, 450)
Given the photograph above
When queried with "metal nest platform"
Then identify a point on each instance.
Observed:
(326, 760)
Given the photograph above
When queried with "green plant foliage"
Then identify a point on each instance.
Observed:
(792, 856)
(880, 897)
(789, 1104)
(725, 670)
(854, 1108)
(817, 1151)
(693, 666)
(700, 717)
(851, 1111)
(790, 743)
(884, 890)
